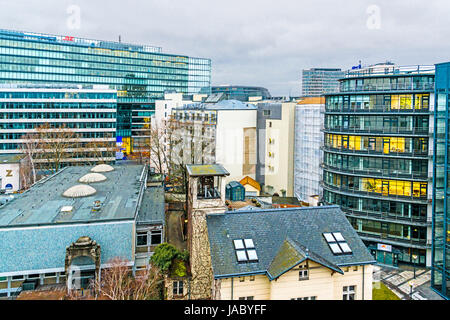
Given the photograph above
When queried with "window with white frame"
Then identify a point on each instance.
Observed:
(177, 288)
(155, 237)
(142, 238)
(303, 273)
(348, 292)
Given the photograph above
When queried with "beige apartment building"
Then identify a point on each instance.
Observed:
(314, 255)
(275, 160)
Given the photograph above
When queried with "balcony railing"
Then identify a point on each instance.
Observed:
(387, 217)
(375, 109)
(391, 87)
(413, 243)
(415, 153)
(370, 130)
(422, 199)
(383, 173)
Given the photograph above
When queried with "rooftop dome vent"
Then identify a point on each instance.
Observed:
(78, 191)
(102, 168)
(92, 177)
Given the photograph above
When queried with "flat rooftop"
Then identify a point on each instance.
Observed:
(42, 203)
(10, 158)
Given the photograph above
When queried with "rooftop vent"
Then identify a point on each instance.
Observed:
(78, 191)
(102, 168)
(92, 177)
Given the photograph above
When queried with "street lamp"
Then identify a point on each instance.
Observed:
(414, 256)
(411, 284)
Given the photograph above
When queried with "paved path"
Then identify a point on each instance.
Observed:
(399, 280)
(174, 232)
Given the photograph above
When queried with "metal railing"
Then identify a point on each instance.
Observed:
(415, 153)
(378, 172)
(377, 195)
(386, 216)
(377, 108)
(392, 87)
(409, 131)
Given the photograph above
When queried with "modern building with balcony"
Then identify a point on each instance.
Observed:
(440, 275)
(378, 159)
(140, 74)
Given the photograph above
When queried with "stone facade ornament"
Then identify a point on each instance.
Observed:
(84, 246)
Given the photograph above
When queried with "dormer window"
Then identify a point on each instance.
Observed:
(337, 243)
(245, 250)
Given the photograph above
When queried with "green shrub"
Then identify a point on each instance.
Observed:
(163, 256)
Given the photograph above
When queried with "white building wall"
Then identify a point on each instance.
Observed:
(230, 140)
(10, 174)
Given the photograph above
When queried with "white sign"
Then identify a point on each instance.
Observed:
(384, 247)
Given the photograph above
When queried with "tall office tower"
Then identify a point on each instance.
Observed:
(319, 81)
(139, 73)
(378, 159)
(440, 275)
(308, 154)
(241, 93)
(87, 115)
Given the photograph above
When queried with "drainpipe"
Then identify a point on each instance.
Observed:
(232, 288)
(363, 282)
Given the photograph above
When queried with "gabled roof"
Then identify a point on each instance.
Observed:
(248, 180)
(287, 258)
(283, 238)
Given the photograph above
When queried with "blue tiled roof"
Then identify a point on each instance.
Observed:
(270, 229)
(25, 249)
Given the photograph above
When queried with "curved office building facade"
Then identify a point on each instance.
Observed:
(378, 160)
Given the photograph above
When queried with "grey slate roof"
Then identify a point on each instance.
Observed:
(302, 228)
(152, 210)
(42, 203)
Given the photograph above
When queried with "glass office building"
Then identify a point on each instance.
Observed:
(378, 159)
(139, 73)
(241, 93)
(88, 115)
(319, 81)
(440, 275)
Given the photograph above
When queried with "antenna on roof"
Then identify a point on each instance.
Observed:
(120, 40)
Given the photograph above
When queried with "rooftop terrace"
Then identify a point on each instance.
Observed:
(44, 203)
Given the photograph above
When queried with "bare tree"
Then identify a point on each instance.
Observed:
(99, 148)
(118, 283)
(55, 145)
(29, 147)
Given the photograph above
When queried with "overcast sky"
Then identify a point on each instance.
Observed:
(263, 43)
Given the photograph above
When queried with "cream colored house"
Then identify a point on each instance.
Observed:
(275, 160)
(314, 254)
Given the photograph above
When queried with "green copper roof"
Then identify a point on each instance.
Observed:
(195, 170)
(287, 257)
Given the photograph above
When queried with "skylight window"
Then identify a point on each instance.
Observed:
(337, 243)
(249, 243)
(238, 244)
(245, 250)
